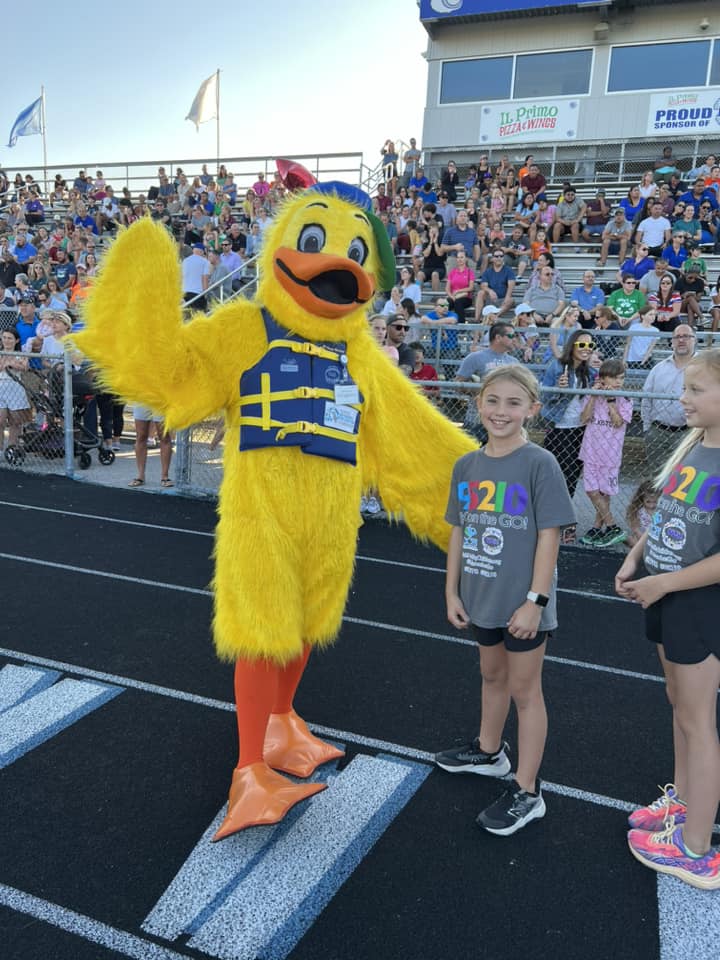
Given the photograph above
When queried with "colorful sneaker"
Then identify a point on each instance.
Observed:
(512, 810)
(653, 816)
(592, 537)
(469, 758)
(612, 535)
(665, 852)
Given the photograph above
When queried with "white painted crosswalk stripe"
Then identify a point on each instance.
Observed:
(689, 920)
(19, 683)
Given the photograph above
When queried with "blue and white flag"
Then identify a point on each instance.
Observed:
(27, 123)
(204, 106)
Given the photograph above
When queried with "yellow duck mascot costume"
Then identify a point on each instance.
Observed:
(315, 414)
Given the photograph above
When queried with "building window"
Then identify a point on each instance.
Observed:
(715, 65)
(465, 81)
(659, 66)
(564, 74)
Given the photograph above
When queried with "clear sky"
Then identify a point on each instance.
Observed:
(296, 77)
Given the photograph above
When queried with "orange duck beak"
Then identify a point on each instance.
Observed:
(321, 284)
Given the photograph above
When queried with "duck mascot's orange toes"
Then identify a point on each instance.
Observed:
(315, 414)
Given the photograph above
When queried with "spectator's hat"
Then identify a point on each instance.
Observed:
(28, 297)
(600, 192)
(198, 246)
(81, 266)
(692, 268)
(490, 311)
(522, 308)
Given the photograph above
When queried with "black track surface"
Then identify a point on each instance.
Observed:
(100, 818)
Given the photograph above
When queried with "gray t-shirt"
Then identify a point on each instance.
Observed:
(500, 503)
(477, 365)
(685, 528)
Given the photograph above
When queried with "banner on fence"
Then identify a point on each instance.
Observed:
(546, 120)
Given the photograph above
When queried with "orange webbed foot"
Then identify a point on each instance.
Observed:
(290, 747)
(258, 796)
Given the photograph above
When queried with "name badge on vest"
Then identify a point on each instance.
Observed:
(340, 417)
(347, 393)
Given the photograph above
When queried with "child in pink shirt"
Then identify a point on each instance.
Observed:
(605, 423)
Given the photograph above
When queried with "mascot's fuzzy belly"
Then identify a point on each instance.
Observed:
(285, 551)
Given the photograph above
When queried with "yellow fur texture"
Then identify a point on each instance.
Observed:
(288, 522)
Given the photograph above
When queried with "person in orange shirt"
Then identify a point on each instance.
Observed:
(81, 288)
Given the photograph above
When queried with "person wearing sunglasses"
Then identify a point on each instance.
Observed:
(397, 330)
(628, 301)
(676, 253)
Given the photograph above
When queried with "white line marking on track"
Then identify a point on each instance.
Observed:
(87, 928)
(204, 533)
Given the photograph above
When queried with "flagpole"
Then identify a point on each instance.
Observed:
(42, 114)
(217, 118)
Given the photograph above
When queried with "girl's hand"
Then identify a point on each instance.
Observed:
(646, 591)
(626, 572)
(563, 379)
(524, 623)
(456, 613)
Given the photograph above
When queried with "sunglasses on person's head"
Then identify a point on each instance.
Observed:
(585, 344)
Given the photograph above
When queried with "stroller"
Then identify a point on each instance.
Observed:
(45, 433)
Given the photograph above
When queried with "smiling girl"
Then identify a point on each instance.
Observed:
(507, 506)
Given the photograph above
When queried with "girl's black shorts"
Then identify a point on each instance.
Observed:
(687, 624)
(492, 636)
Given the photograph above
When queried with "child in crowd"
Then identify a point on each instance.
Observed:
(540, 245)
(507, 505)
(638, 349)
(695, 263)
(640, 511)
(681, 597)
(423, 371)
(605, 420)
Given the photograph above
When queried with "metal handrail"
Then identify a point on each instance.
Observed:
(219, 283)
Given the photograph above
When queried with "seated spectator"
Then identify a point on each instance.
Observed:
(446, 210)
(82, 183)
(80, 290)
(587, 297)
(676, 185)
(628, 301)
(534, 182)
(196, 226)
(712, 180)
(517, 252)
(461, 236)
(161, 214)
(560, 329)
(650, 282)
(441, 316)
(688, 224)
(497, 286)
(654, 231)
(108, 213)
(665, 165)
(568, 216)
(84, 219)
(526, 212)
(540, 245)
(715, 308)
(27, 321)
(57, 299)
(640, 344)
(408, 286)
(7, 300)
(428, 193)
(691, 287)
(704, 169)
(615, 237)
(676, 253)
(33, 209)
(647, 186)
(528, 339)
(460, 285)
(698, 194)
(543, 261)
(544, 219)
(418, 180)
(708, 219)
(393, 304)
(632, 204)
(666, 305)
(238, 240)
(606, 346)
(597, 214)
(261, 187)
(638, 265)
(509, 187)
(546, 298)
(666, 199)
(23, 252)
(37, 275)
(397, 329)
(450, 181)
(253, 241)
(219, 282)
(422, 370)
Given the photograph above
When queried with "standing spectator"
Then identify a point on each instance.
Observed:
(397, 330)
(664, 420)
(605, 419)
(497, 286)
(450, 181)
(597, 214)
(219, 276)
(232, 261)
(615, 237)
(691, 288)
(378, 328)
(568, 216)
(639, 349)
(434, 258)
(561, 328)
(606, 347)
(666, 304)
(654, 231)
(14, 406)
(411, 159)
(715, 309)
(587, 297)
(196, 275)
(390, 165)
(627, 302)
(143, 418)
(572, 370)
(475, 365)
(261, 187)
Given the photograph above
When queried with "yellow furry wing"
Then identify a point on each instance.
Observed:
(134, 332)
(408, 447)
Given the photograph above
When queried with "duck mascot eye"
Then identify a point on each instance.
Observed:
(311, 411)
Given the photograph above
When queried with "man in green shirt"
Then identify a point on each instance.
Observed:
(627, 302)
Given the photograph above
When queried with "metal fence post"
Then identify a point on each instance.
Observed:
(182, 459)
(68, 414)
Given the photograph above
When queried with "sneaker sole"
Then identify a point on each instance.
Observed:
(497, 770)
(536, 814)
(702, 883)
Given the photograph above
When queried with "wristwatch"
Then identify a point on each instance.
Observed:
(538, 598)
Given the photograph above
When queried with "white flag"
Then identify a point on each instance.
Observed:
(204, 106)
(29, 121)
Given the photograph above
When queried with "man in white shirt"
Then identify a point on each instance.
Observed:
(664, 420)
(196, 276)
(654, 230)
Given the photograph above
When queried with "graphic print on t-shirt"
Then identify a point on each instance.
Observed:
(496, 505)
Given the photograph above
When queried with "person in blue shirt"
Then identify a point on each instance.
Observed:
(23, 251)
(587, 297)
(638, 265)
(27, 322)
(418, 181)
(83, 219)
(699, 194)
(632, 204)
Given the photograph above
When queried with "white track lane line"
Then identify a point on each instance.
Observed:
(204, 533)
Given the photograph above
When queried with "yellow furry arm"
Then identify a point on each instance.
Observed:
(408, 448)
(135, 334)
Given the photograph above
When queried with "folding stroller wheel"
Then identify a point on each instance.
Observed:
(106, 457)
(84, 460)
(15, 455)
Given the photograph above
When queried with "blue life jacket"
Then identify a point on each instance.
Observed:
(288, 398)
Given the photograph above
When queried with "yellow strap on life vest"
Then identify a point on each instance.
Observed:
(300, 426)
(304, 347)
(298, 393)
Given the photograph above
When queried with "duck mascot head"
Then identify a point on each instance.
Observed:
(315, 414)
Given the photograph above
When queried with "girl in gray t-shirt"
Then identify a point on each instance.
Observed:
(508, 502)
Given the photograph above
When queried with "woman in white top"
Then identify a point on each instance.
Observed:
(648, 187)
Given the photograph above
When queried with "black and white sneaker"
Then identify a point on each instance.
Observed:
(469, 758)
(511, 811)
